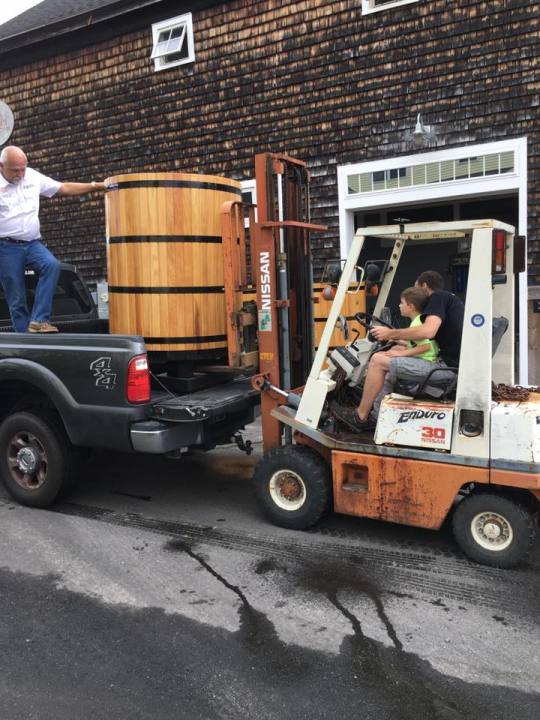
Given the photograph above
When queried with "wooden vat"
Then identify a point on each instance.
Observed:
(355, 301)
(165, 260)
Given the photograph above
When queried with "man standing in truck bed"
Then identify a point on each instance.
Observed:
(20, 239)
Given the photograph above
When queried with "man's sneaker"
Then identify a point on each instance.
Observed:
(349, 417)
(41, 327)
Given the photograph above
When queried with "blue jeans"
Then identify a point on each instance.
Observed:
(14, 259)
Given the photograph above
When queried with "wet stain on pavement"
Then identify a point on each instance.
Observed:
(439, 603)
(400, 595)
(256, 630)
(262, 567)
(141, 547)
(411, 683)
(412, 689)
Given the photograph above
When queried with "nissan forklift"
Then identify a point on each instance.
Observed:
(438, 450)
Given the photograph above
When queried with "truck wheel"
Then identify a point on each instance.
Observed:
(493, 529)
(36, 459)
(293, 486)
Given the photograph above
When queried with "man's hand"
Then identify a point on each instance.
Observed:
(381, 333)
(426, 330)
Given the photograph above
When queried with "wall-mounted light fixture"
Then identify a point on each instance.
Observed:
(423, 133)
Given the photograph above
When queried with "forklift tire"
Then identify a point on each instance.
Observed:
(293, 486)
(494, 529)
(37, 461)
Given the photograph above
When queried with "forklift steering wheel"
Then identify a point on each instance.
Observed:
(362, 318)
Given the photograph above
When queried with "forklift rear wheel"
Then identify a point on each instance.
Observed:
(293, 486)
(493, 529)
(36, 458)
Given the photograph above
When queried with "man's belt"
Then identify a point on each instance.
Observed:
(15, 240)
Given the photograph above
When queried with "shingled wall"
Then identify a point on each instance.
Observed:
(314, 78)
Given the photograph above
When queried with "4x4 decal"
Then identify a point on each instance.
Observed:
(101, 369)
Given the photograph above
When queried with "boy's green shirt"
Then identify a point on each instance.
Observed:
(430, 355)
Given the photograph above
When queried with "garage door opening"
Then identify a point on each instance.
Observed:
(448, 257)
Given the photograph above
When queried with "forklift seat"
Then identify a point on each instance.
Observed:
(443, 387)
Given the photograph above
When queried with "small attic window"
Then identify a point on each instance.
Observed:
(371, 6)
(173, 42)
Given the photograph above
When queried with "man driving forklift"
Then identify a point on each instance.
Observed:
(442, 321)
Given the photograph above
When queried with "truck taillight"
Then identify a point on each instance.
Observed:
(138, 380)
(498, 252)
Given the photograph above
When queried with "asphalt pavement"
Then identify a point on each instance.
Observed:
(157, 591)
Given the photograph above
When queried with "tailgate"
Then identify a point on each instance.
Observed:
(212, 404)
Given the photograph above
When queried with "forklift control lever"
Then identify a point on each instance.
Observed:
(261, 383)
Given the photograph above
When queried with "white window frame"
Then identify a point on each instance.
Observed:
(185, 21)
(251, 187)
(421, 194)
(369, 7)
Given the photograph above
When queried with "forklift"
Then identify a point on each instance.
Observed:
(461, 452)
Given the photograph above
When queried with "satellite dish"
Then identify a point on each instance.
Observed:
(6, 122)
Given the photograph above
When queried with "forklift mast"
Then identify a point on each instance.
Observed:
(282, 271)
(275, 333)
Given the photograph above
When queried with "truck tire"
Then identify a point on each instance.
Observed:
(494, 529)
(37, 461)
(293, 486)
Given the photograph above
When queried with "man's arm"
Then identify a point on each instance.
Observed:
(74, 188)
(425, 331)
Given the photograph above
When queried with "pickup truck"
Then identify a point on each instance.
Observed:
(60, 393)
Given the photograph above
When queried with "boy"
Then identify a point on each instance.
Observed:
(422, 352)
(412, 303)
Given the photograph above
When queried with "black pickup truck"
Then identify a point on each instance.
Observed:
(82, 388)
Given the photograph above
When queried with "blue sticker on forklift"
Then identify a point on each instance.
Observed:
(265, 320)
(478, 320)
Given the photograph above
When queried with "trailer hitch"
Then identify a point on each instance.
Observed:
(243, 445)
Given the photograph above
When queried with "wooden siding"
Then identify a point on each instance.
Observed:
(314, 78)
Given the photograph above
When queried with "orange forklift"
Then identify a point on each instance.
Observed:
(455, 452)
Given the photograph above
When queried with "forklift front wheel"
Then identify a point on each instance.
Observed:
(493, 529)
(293, 486)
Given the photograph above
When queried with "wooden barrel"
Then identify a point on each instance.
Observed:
(165, 260)
(355, 301)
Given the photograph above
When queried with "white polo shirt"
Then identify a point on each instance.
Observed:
(19, 204)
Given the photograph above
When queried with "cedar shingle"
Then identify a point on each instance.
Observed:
(314, 78)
